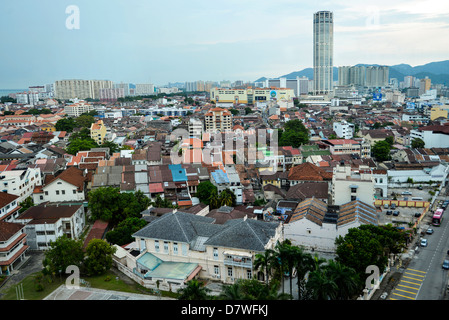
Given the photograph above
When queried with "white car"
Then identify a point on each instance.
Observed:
(424, 243)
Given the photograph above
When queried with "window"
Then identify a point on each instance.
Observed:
(229, 271)
(215, 253)
(46, 193)
(57, 192)
(249, 274)
(165, 246)
(63, 191)
(353, 190)
(175, 248)
(216, 270)
(156, 245)
(353, 198)
(41, 197)
(74, 191)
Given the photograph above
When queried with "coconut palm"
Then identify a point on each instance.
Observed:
(214, 201)
(284, 257)
(227, 198)
(194, 290)
(345, 278)
(265, 262)
(303, 263)
(231, 292)
(322, 285)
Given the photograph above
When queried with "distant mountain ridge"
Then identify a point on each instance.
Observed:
(438, 72)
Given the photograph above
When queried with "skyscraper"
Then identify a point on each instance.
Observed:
(323, 43)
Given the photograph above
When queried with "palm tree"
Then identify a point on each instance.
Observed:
(322, 285)
(284, 254)
(214, 202)
(231, 292)
(227, 198)
(345, 278)
(194, 290)
(265, 262)
(303, 263)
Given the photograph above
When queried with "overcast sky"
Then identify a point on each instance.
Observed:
(146, 41)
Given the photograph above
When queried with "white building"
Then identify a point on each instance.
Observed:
(344, 129)
(400, 177)
(314, 227)
(434, 136)
(46, 223)
(350, 185)
(144, 89)
(20, 182)
(77, 108)
(9, 208)
(195, 128)
(68, 186)
(29, 97)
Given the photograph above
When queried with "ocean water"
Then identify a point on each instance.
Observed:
(6, 92)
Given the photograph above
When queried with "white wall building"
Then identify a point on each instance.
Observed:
(433, 136)
(46, 223)
(350, 185)
(20, 182)
(344, 129)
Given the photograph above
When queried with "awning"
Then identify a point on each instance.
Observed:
(238, 253)
(194, 273)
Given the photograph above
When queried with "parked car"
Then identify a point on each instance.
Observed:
(424, 243)
(429, 231)
(395, 213)
(417, 215)
(446, 264)
(419, 187)
(393, 206)
(389, 212)
(385, 206)
(406, 193)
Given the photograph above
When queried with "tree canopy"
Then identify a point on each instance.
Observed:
(108, 204)
(418, 143)
(204, 190)
(62, 253)
(368, 245)
(98, 257)
(293, 134)
(381, 150)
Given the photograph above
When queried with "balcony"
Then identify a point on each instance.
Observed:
(238, 259)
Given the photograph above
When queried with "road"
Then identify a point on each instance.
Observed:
(424, 278)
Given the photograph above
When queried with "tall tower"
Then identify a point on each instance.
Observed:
(323, 49)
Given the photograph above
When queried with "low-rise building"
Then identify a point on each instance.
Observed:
(179, 246)
(13, 245)
(46, 223)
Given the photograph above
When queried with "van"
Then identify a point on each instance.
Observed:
(416, 198)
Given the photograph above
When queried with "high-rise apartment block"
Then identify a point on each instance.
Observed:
(80, 89)
(323, 43)
(111, 94)
(424, 85)
(144, 89)
(365, 76)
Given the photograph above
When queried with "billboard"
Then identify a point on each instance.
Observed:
(377, 96)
